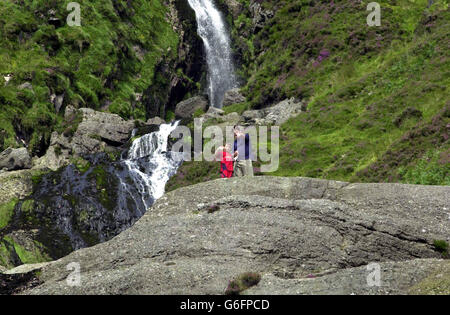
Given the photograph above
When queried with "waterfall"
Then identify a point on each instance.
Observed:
(148, 168)
(211, 28)
(93, 205)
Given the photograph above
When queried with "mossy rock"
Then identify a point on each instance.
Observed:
(6, 213)
(242, 283)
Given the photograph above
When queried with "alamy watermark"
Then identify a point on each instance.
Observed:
(374, 276)
(204, 143)
(374, 18)
(74, 17)
(74, 278)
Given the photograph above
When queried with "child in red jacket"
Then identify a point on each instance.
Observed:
(223, 154)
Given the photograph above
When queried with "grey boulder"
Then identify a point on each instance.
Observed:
(233, 96)
(187, 108)
(15, 159)
(156, 121)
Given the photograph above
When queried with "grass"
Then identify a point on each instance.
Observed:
(31, 255)
(437, 283)
(367, 88)
(92, 65)
(81, 164)
(6, 212)
(442, 247)
(238, 108)
(378, 108)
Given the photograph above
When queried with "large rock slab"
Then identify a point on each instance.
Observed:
(287, 229)
(15, 159)
(418, 276)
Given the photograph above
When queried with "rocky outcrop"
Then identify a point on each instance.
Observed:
(187, 108)
(14, 186)
(260, 15)
(97, 127)
(170, 87)
(233, 96)
(301, 235)
(15, 159)
(234, 7)
(89, 132)
(89, 201)
(275, 115)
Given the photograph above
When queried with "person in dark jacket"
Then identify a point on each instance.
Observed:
(242, 153)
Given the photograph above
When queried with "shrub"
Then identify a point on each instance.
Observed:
(213, 208)
(170, 116)
(441, 246)
(243, 282)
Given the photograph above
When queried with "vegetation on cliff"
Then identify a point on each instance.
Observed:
(108, 63)
(378, 108)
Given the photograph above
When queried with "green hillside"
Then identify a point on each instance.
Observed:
(101, 64)
(378, 106)
(378, 97)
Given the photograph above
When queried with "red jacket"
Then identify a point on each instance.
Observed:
(226, 165)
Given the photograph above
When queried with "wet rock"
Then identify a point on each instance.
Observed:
(15, 159)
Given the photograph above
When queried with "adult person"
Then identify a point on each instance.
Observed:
(243, 153)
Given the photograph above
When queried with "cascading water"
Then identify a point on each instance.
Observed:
(211, 28)
(149, 166)
(89, 206)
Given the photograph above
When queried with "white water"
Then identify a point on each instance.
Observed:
(211, 28)
(149, 167)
